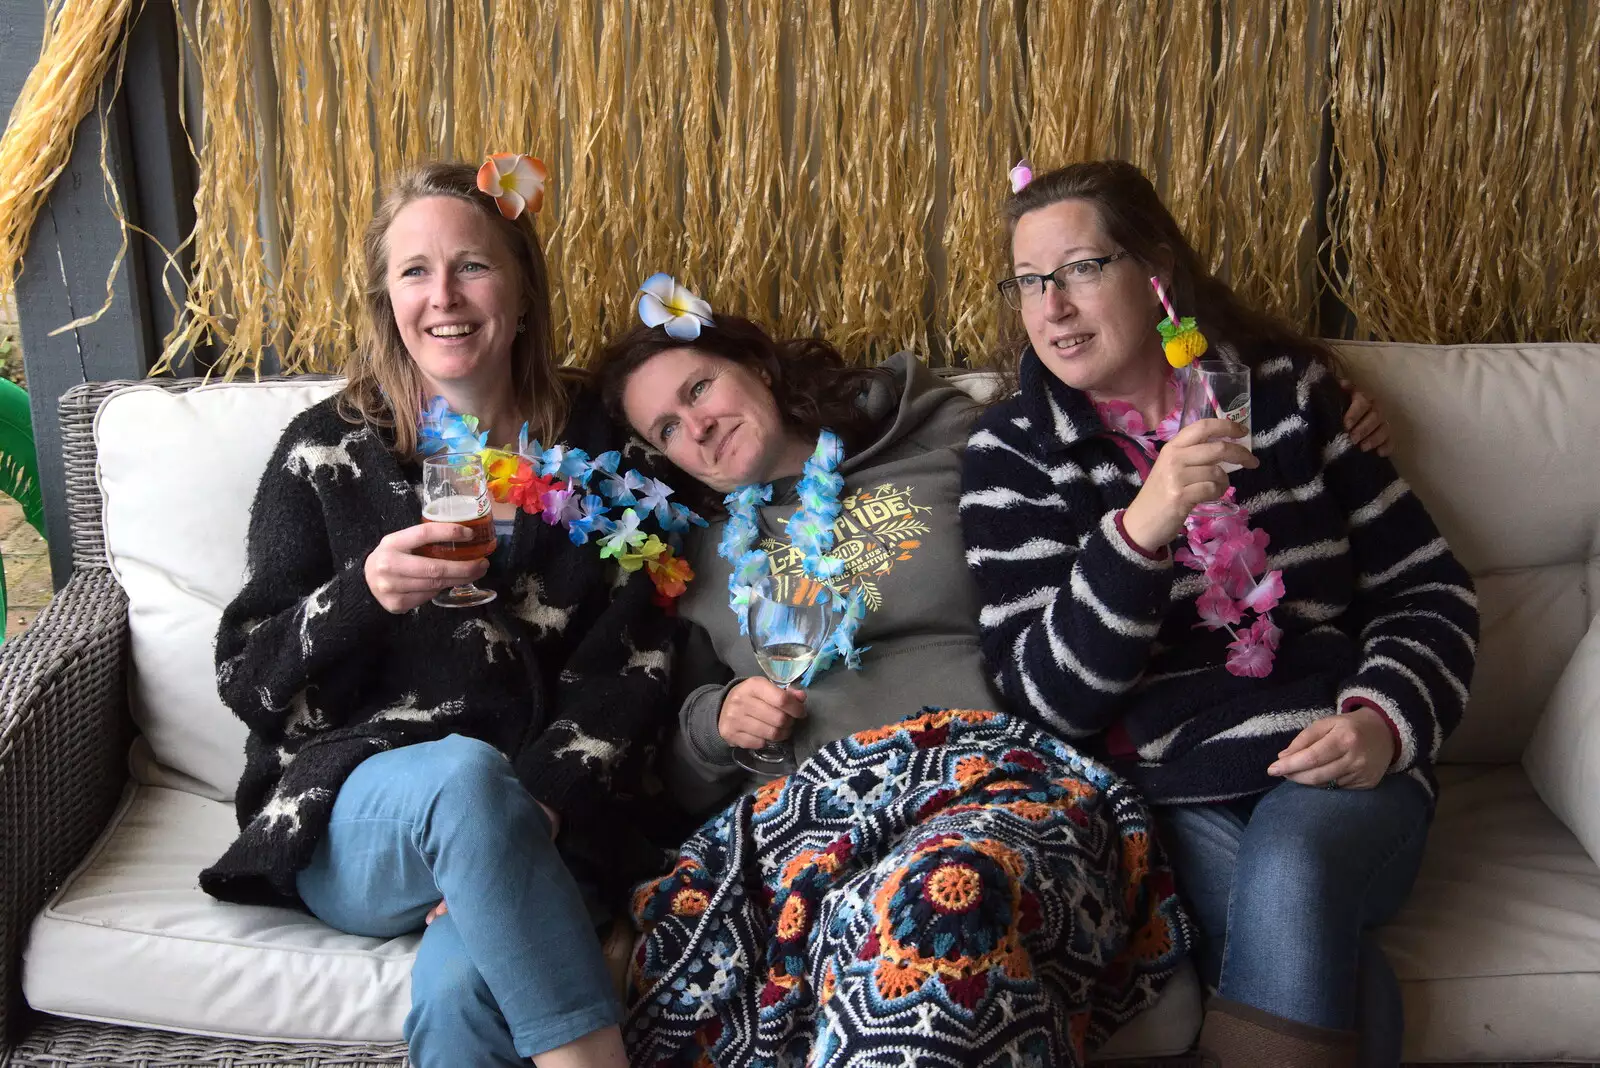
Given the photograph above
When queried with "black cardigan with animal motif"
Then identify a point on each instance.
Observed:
(566, 672)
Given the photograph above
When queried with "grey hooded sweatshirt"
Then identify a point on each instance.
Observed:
(900, 532)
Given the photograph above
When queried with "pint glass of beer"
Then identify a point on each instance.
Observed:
(456, 490)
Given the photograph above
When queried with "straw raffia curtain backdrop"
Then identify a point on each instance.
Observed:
(837, 166)
(1468, 140)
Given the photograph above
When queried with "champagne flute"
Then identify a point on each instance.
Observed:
(455, 489)
(787, 633)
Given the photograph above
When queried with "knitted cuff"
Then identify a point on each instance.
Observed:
(1405, 748)
(1159, 554)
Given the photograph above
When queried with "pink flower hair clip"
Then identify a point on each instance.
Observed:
(1021, 175)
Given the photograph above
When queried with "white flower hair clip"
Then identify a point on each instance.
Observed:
(666, 304)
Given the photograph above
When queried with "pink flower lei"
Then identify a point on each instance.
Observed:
(1222, 546)
(1123, 418)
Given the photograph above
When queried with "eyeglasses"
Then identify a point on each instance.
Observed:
(1077, 275)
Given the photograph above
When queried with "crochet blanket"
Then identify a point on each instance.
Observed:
(958, 888)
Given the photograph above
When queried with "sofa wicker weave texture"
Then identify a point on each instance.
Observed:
(117, 762)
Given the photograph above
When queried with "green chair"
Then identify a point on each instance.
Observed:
(19, 467)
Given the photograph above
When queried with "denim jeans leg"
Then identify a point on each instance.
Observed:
(1316, 870)
(454, 1019)
(449, 819)
(1202, 845)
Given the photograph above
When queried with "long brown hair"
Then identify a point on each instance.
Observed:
(811, 383)
(1138, 222)
(385, 386)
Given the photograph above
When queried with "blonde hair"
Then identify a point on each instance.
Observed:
(385, 386)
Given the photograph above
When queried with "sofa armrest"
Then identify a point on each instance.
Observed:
(64, 734)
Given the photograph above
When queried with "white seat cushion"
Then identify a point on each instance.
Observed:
(179, 472)
(131, 939)
(1498, 949)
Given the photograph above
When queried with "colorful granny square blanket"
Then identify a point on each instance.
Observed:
(955, 889)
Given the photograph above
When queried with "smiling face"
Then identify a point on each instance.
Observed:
(713, 418)
(1099, 338)
(455, 292)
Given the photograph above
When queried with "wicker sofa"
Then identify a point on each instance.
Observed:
(100, 756)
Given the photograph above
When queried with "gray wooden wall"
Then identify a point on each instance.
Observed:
(76, 236)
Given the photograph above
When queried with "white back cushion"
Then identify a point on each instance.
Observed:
(1563, 759)
(1500, 442)
(179, 473)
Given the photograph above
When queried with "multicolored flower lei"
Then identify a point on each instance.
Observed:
(810, 531)
(1222, 545)
(554, 484)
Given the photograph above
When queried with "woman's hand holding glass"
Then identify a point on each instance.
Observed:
(789, 627)
(1187, 472)
(758, 712)
(400, 578)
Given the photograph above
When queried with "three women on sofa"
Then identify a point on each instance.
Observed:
(366, 752)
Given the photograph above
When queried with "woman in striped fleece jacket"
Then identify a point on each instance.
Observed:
(1293, 804)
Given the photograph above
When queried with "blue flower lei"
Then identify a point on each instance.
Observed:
(810, 531)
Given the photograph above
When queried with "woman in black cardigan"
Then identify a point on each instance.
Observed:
(1288, 755)
(401, 752)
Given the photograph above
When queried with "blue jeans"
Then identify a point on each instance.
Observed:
(514, 968)
(1286, 888)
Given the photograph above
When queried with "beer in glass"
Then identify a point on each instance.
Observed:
(455, 490)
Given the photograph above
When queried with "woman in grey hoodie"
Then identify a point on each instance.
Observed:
(951, 882)
(897, 532)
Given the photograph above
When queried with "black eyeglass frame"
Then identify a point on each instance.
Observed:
(1014, 283)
